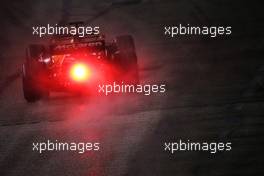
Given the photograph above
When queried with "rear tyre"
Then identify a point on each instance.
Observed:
(31, 94)
(127, 59)
(33, 78)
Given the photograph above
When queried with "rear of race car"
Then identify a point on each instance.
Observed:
(78, 65)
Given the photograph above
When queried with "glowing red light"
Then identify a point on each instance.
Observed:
(80, 72)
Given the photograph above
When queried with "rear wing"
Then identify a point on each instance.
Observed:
(81, 47)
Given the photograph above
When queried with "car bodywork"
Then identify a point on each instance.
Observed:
(77, 64)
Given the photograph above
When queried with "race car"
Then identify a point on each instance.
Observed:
(76, 64)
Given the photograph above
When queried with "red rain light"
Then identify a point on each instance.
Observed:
(80, 72)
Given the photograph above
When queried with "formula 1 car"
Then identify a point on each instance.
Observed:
(75, 64)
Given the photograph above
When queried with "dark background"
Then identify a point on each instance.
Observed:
(215, 92)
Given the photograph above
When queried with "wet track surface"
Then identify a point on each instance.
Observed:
(212, 94)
